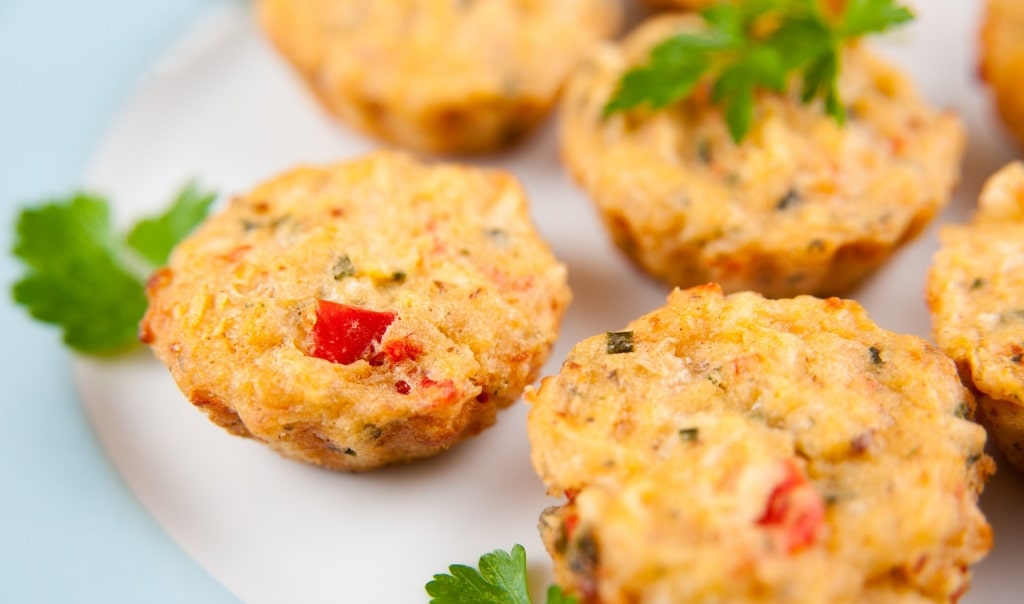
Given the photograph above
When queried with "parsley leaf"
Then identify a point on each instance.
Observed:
(154, 238)
(80, 274)
(753, 45)
(864, 17)
(557, 596)
(501, 579)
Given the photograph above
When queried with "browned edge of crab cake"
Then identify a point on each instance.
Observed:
(1001, 60)
(975, 291)
(803, 205)
(374, 311)
(742, 449)
(441, 77)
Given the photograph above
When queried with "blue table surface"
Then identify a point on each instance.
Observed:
(70, 530)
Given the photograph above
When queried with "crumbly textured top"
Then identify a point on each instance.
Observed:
(976, 294)
(416, 61)
(449, 251)
(815, 203)
(747, 450)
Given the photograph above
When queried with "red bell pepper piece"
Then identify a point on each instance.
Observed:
(796, 508)
(345, 334)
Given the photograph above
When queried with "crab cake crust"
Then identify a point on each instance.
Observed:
(742, 449)
(976, 295)
(1002, 60)
(448, 252)
(445, 76)
(803, 205)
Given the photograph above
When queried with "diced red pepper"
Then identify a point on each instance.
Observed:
(345, 334)
(403, 349)
(571, 522)
(445, 391)
(796, 508)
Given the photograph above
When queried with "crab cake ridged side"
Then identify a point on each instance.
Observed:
(375, 311)
(803, 205)
(444, 76)
(976, 295)
(1002, 60)
(740, 449)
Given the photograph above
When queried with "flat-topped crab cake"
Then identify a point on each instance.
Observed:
(802, 205)
(976, 294)
(447, 76)
(374, 311)
(742, 449)
(1002, 60)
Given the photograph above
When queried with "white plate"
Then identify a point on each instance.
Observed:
(223, 108)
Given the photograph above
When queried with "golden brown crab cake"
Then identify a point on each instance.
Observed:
(348, 316)
(1002, 60)
(976, 295)
(742, 449)
(803, 205)
(446, 76)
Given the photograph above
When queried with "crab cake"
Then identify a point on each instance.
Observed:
(370, 312)
(976, 295)
(803, 205)
(742, 449)
(446, 76)
(1002, 60)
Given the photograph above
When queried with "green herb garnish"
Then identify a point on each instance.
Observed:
(84, 278)
(689, 435)
(619, 342)
(501, 579)
(756, 44)
(154, 238)
(344, 268)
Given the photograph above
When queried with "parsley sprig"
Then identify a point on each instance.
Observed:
(756, 44)
(84, 278)
(501, 579)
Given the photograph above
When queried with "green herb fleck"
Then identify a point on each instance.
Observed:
(978, 283)
(398, 277)
(501, 579)
(876, 355)
(755, 45)
(704, 151)
(84, 278)
(963, 409)
(619, 342)
(349, 451)
(790, 199)
(344, 268)
(689, 435)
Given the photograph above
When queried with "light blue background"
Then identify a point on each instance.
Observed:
(70, 531)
